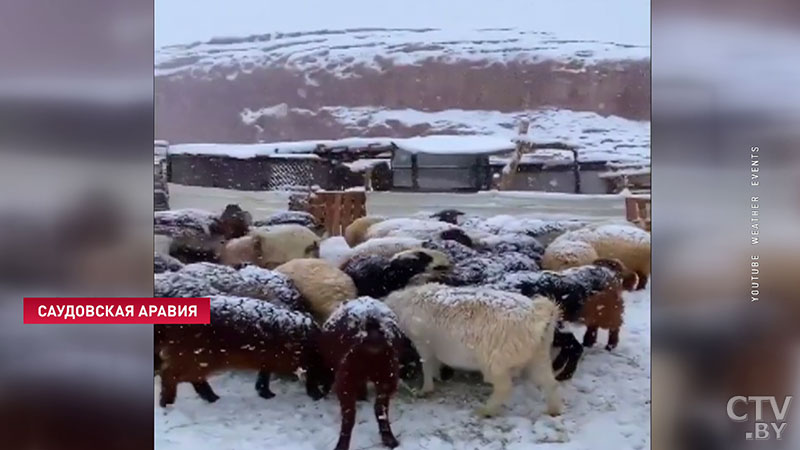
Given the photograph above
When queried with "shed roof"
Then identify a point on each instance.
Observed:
(456, 145)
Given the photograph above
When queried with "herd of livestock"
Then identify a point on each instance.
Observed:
(404, 297)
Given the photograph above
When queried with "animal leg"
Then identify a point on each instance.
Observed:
(262, 385)
(361, 392)
(204, 390)
(613, 339)
(642, 281)
(382, 415)
(313, 388)
(169, 388)
(541, 373)
(430, 367)
(347, 402)
(501, 384)
(568, 357)
(590, 338)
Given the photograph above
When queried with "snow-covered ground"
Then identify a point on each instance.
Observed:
(529, 204)
(607, 408)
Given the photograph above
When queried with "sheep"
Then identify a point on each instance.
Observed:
(590, 294)
(628, 243)
(376, 275)
(291, 217)
(486, 269)
(512, 242)
(545, 231)
(454, 250)
(387, 246)
(493, 331)
(205, 279)
(420, 229)
(272, 246)
(244, 334)
(355, 233)
(564, 253)
(361, 342)
(323, 285)
(199, 235)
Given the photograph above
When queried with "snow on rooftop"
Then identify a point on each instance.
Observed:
(455, 145)
(297, 149)
(361, 165)
(598, 138)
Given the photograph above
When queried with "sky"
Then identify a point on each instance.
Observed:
(186, 21)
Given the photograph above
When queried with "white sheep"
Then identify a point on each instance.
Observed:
(356, 232)
(420, 229)
(493, 331)
(271, 246)
(626, 242)
(386, 246)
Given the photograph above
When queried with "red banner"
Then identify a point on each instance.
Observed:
(59, 310)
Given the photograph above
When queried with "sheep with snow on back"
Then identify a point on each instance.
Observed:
(361, 342)
(420, 229)
(545, 231)
(292, 217)
(271, 246)
(244, 334)
(323, 285)
(207, 279)
(377, 276)
(204, 279)
(387, 246)
(626, 242)
(356, 232)
(590, 294)
(483, 329)
(198, 235)
(512, 242)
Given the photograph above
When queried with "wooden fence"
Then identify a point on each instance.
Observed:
(335, 210)
(637, 210)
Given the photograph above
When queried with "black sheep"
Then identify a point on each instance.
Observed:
(376, 275)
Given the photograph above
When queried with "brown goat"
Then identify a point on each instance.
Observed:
(362, 343)
(604, 308)
(244, 334)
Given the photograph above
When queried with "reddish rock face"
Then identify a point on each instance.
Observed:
(207, 107)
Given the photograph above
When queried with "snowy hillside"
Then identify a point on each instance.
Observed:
(340, 51)
(256, 72)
